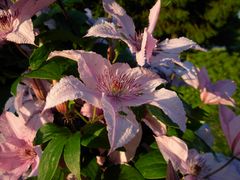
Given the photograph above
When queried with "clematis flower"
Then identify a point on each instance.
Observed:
(231, 128)
(113, 88)
(143, 44)
(15, 22)
(218, 93)
(17, 153)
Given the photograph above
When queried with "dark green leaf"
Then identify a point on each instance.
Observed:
(14, 86)
(152, 165)
(59, 174)
(159, 114)
(95, 136)
(72, 154)
(48, 132)
(122, 172)
(53, 69)
(38, 56)
(92, 170)
(50, 158)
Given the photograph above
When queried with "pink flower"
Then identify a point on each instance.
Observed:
(17, 153)
(218, 93)
(231, 127)
(15, 22)
(113, 88)
(142, 44)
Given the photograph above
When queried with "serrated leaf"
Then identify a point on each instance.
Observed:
(122, 172)
(50, 158)
(159, 114)
(152, 165)
(38, 56)
(52, 69)
(95, 136)
(48, 132)
(71, 154)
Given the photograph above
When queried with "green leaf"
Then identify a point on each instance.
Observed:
(53, 69)
(50, 158)
(159, 114)
(71, 154)
(92, 170)
(122, 172)
(38, 56)
(48, 132)
(95, 136)
(14, 86)
(193, 141)
(152, 165)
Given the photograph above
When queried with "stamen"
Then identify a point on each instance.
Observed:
(121, 85)
(6, 22)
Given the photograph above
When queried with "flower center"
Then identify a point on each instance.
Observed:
(6, 22)
(27, 153)
(118, 85)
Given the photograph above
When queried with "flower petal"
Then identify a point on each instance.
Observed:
(121, 124)
(173, 149)
(70, 88)
(156, 126)
(123, 20)
(153, 16)
(27, 8)
(22, 34)
(171, 105)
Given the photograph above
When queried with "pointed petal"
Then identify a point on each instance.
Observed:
(147, 46)
(156, 126)
(105, 30)
(121, 124)
(178, 45)
(153, 16)
(216, 98)
(171, 173)
(87, 63)
(204, 81)
(27, 8)
(121, 157)
(23, 34)
(172, 106)
(123, 20)
(70, 88)
(173, 149)
(227, 87)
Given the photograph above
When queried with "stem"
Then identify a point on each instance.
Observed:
(21, 51)
(220, 168)
(94, 113)
(82, 117)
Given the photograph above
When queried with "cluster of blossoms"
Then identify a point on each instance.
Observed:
(106, 92)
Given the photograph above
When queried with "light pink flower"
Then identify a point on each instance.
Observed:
(217, 93)
(15, 22)
(231, 127)
(113, 88)
(17, 153)
(142, 44)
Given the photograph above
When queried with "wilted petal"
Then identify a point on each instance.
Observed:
(123, 20)
(173, 149)
(121, 157)
(153, 16)
(22, 34)
(121, 124)
(171, 105)
(70, 88)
